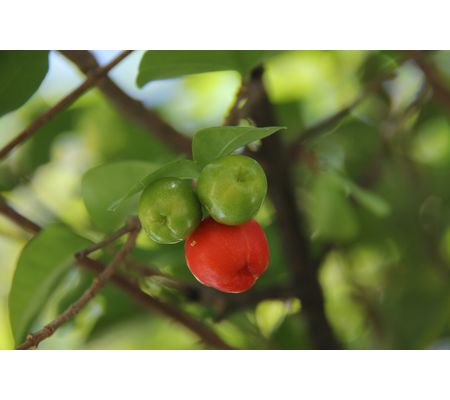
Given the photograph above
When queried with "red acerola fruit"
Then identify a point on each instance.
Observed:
(227, 258)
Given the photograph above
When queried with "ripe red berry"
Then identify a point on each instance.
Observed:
(228, 258)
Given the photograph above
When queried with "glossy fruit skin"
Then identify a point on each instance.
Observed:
(232, 189)
(169, 210)
(227, 258)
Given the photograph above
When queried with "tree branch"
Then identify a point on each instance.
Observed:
(275, 159)
(133, 109)
(34, 339)
(432, 76)
(91, 81)
(17, 218)
(206, 334)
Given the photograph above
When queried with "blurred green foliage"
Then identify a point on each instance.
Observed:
(374, 189)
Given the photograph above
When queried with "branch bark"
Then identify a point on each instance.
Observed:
(91, 81)
(432, 76)
(133, 109)
(98, 283)
(18, 218)
(276, 161)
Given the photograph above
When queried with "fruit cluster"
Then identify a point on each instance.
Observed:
(228, 249)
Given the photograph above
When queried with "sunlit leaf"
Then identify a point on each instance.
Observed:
(269, 315)
(21, 73)
(103, 185)
(211, 143)
(163, 64)
(182, 169)
(41, 265)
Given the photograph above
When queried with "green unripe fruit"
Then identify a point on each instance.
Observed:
(169, 210)
(232, 189)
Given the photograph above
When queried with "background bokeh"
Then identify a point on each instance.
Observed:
(374, 190)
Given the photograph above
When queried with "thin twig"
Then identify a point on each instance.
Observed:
(34, 339)
(17, 218)
(90, 82)
(205, 333)
(132, 224)
(332, 120)
(131, 108)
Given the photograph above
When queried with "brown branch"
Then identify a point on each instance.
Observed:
(17, 218)
(433, 77)
(34, 339)
(206, 334)
(133, 109)
(90, 82)
(303, 268)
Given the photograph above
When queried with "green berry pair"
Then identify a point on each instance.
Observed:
(231, 188)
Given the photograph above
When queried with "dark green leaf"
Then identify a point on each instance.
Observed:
(292, 334)
(102, 185)
(41, 265)
(211, 143)
(182, 169)
(378, 64)
(8, 179)
(21, 73)
(290, 114)
(165, 64)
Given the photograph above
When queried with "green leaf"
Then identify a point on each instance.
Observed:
(21, 74)
(41, 265)
(182, 169)
(332, 217)
(269, 315)
(211, 143)
(164, 64)
(377, 65)
(374, 203)
(102, 185)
